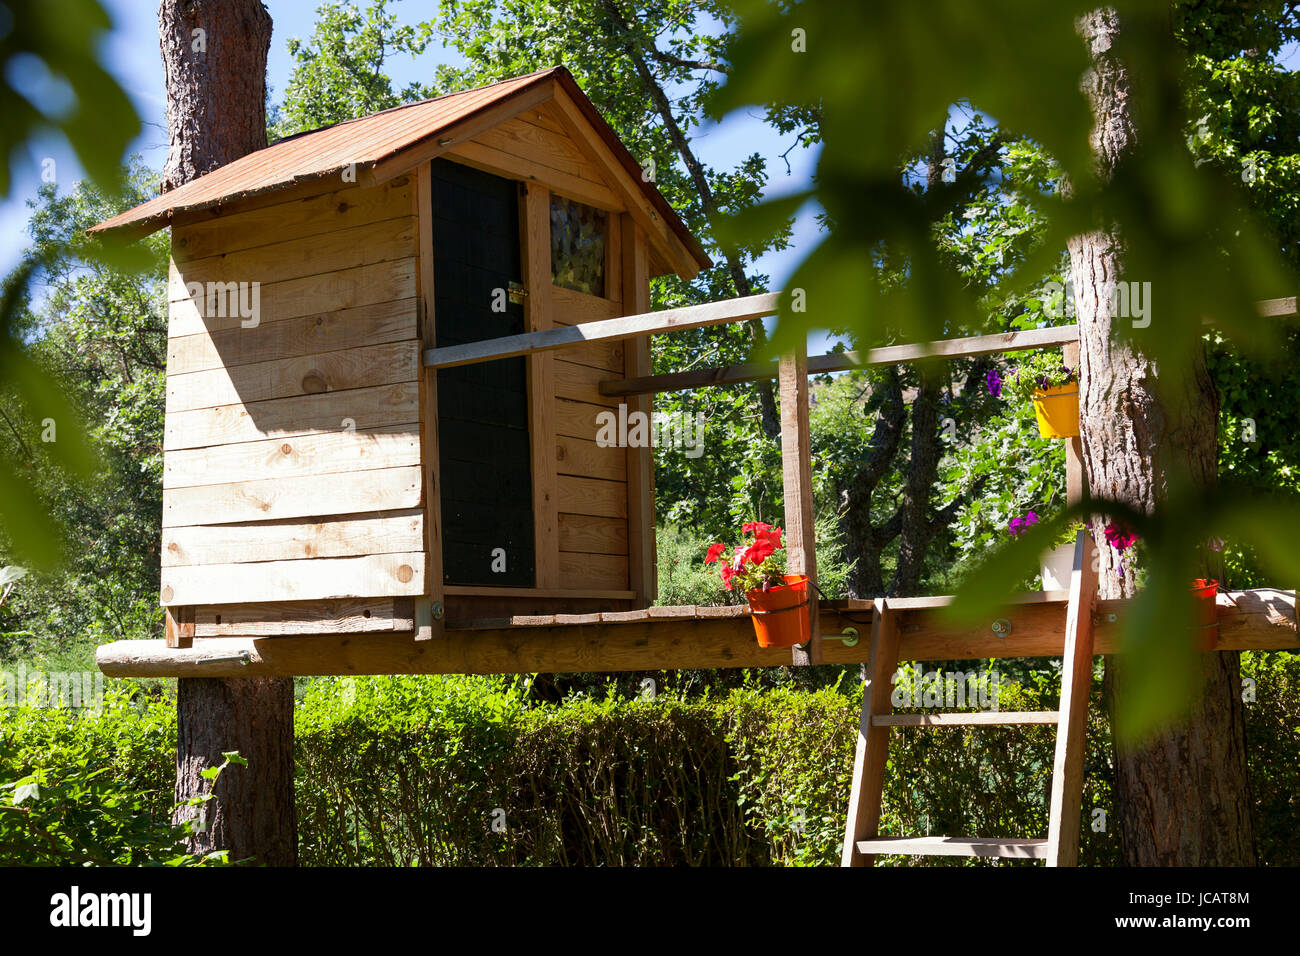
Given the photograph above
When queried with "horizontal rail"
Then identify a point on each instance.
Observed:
(1278, 308)
(1262, 619)
(625, 327)
(843, 361)
(887, 355)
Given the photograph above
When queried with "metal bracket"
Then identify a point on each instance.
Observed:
(849, 637)
(242, 657)
(1002, 627)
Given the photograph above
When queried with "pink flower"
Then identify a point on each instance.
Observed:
(1121, 538)
(1019, 526)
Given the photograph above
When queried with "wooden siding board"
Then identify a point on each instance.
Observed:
(320, 454)
(390, 489)
(293, 540)
(313, 579)
(357, 409)
(286, 378)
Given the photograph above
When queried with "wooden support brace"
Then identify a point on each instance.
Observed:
(867, 785)
(796, 471)
(1071, 732)
(428, 624)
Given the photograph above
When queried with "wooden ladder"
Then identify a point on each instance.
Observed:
(862, 841)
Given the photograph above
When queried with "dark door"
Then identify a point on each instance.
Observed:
(483, 446)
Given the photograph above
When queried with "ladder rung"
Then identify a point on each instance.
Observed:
(958, 719)
(1011, 847)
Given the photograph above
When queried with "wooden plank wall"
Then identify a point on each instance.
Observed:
(591, 483)
(291, 454)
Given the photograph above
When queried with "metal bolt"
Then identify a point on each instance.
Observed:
(242, 657)
(1002, 627)
(436, 610)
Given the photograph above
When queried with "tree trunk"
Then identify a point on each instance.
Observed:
(1181, 798)
(214, 58)
(253, 814)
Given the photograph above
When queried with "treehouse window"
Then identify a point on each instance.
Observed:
(578, 238)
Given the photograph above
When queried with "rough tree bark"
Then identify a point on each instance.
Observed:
(216, 112)
(214, 59)
(1182, 798)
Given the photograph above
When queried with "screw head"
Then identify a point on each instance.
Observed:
(436, 610)
(1002, 627)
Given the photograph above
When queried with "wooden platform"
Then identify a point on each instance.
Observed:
(671, 638)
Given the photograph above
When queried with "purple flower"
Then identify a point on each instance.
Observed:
(1019, 526)
(994, 382)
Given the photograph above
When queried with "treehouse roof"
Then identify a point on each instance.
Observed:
(392, 142)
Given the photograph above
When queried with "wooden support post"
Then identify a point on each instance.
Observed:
(1071, 732)
(868, 783)
(796, 471)
(178, 626)
(1076, 483)
(642, 556)
(535, 224)
(428, 624)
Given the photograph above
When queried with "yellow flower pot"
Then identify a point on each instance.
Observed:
(1058, 411)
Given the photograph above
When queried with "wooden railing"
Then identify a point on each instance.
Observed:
(791, 372)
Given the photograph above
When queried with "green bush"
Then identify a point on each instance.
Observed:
(470, 771)
(91, 786)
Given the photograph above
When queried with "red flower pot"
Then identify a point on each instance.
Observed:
(1207, 613)
(781, 613)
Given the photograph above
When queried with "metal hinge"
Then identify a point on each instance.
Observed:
(516, 293)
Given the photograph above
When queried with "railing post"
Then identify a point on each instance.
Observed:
(796, 472)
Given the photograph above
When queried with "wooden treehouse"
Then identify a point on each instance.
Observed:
(390, 345)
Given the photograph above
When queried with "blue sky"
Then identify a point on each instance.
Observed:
(131, 55)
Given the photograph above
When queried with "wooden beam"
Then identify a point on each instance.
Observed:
(626, 327)
(976, 718)
(535, 225)
(1071, 731)
(1076, 482)
(428, 625)
(634, 285)
(796, 480)
(1262, 619)
(843, 361)
(1280, 308)
(868, 781)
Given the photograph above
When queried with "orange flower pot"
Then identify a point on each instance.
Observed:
(1207, 613)
(781, 613)
(1057, 410)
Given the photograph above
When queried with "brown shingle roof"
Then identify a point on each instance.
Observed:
(368, 141)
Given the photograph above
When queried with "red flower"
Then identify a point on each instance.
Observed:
(715, 552)
(755, 526)
(728, 572)
(765, 543)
